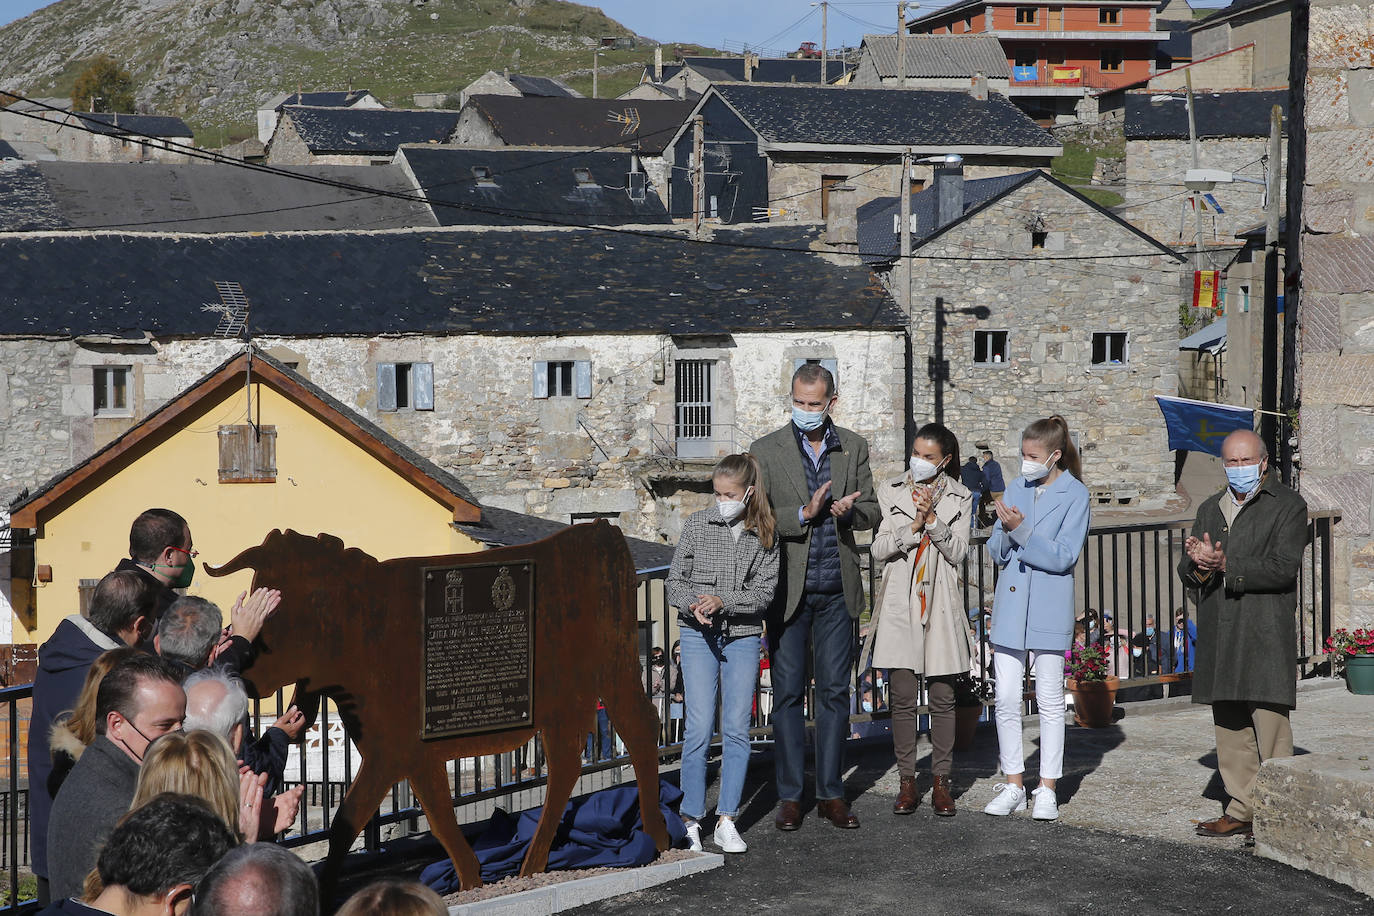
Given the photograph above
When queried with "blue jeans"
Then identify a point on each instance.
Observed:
(603, 730)
(714, 667)
(825, 619)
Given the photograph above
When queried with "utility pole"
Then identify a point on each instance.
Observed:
(698, 173)
(1269, 368)
(901, 44)
(825, 40)
(596, 57)
(1197, 198)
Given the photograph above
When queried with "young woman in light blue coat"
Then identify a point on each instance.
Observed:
(1042, 522)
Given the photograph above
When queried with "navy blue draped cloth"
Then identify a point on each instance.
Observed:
(604, 829)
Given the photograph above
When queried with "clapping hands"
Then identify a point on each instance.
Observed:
(1204, 554)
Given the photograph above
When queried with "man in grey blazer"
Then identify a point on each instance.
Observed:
(821, 489)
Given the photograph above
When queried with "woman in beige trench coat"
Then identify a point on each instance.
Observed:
(919, 625)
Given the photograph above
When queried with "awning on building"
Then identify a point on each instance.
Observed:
(1211, 339)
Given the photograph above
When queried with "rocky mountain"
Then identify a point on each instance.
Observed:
(213, 61)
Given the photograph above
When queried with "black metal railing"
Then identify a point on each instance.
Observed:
(1129, 569)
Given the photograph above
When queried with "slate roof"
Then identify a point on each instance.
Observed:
(327, 99)
(438, 281)
(582, 122)
(443, 478)
(531, 185)
(939, 55)
(1237, 113)
(8, 152)
(879, 244)
(883, 117)
(504, 528)
(201, 197)
(769, 69)
(542, 86)
(120, 124)
(368, 130)
(1179, 45)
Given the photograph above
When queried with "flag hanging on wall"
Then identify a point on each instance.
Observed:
(1205, 290)
(1199, 426)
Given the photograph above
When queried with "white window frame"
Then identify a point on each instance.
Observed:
(987, 338)
(102, 379)
(1109, 363)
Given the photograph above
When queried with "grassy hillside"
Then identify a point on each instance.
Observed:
(213, 61)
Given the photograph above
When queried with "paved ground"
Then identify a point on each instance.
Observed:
(1123, 845)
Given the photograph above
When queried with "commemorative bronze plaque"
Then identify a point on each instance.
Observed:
(478, 648)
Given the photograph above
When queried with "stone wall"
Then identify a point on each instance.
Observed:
(1336, 435)
(1226, 71)
(1268, 29)
(286, 146)
(612, 453)
(1157, 202)
(1050, 310)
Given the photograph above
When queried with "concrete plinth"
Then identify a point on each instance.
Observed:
(1316, 812)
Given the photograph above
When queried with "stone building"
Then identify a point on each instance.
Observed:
(932, 62)
(1233, 135)
(353, 136)
(774, 151)
(517, 85)
(1083, 322)
(1336, 301)
(95, 136)
(1266, 24)
(1225, 70)
(692, 76)
(270, 112)
(570, 374)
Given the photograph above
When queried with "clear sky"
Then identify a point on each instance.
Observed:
(708, 22)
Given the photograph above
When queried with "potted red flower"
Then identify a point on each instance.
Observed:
(1353, 651)
(1094, 690)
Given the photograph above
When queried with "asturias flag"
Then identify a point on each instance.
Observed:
(1199, 426)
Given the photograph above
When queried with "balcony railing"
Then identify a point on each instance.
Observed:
(707, 442)
(1129, 569)
(1062, 76)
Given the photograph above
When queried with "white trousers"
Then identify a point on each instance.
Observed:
(1009, 668)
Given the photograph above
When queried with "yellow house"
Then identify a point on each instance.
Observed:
(250, 447)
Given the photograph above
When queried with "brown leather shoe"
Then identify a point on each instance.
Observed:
(837, 812)
(941, 799)
(907, 797)
(1226, 825)
(789, 816)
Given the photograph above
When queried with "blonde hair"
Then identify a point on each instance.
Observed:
(1053, 433)
(758, 514)
(197, 763)
(394, 897)
(80, 720)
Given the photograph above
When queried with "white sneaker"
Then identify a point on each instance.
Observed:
(727, 837)
(694, 836)
(1046, 804)
(1009, 798)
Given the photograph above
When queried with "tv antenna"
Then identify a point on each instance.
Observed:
(629, 117)
(232, 308)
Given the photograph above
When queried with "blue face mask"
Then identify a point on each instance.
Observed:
(807, 420)
(1149, 631)
(1244, 480)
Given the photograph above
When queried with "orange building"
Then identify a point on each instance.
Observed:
(1058, 51)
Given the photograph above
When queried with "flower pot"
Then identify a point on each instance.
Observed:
(1093, 701)
(966, 726)
(1359, 674)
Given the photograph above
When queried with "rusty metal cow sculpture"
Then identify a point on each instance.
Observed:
(352, 628)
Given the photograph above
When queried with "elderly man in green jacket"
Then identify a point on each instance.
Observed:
(1244, 553)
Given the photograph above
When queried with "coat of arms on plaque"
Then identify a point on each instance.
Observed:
(503, 590)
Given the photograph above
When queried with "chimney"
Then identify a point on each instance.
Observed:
(949, 191)
(751, 63)
(842, 219)
(978, 86)
(658, 64)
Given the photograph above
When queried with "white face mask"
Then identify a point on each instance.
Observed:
(922, 469)
(1034, 470)
(1137, 651)
(731, 509)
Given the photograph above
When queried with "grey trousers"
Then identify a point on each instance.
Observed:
(906, 697)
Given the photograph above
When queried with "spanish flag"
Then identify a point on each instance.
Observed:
(1066, 74)
(1205, 290)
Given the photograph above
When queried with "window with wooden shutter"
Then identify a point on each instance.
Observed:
(405, 386)
(247, 454)
(830, 363)
(85, 588)
(565, 378)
